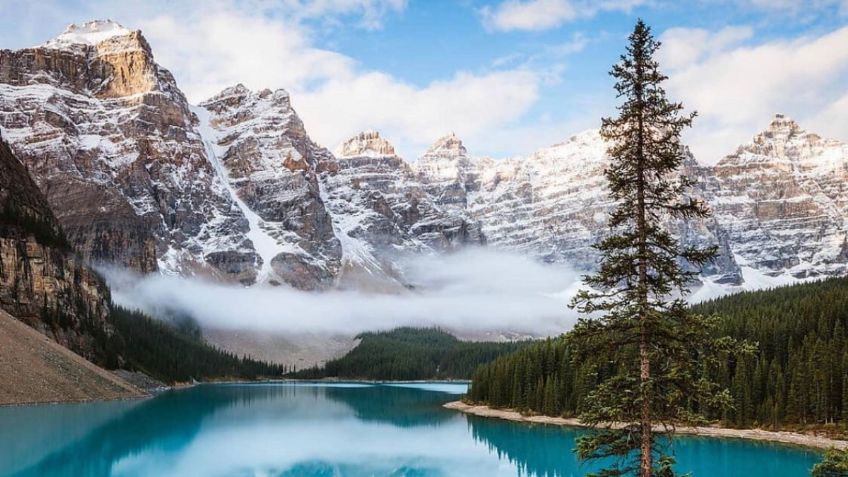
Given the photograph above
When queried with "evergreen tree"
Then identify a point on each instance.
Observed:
(658, 348)
(834, 464)
(789, 323)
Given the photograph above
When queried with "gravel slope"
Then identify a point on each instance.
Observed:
(35, 369)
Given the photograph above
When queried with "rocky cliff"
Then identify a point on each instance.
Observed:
(113, 145)
(42, 282)
(552, 204)
(236, 189)
(783, 201)
(260, 148)
(381, 211)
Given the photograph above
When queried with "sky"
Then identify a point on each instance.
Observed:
(507, 76)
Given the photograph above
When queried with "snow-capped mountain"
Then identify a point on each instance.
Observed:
(236, 189)
(552, 204)
(381, 211)
(259, 147)
(783, 201)
(112, 143)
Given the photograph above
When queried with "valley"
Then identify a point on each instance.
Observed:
(208, 285)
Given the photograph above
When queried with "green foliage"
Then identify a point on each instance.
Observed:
(411, 354)
(45, 232)
(835, 464)
(797, 376)
(656, 350)
(160, 350)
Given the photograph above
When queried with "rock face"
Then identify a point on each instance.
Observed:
(783, 201)
(236, 189)
(382, 212)
(260, 147)
(552, 204)
(41, 281)
(110, 140)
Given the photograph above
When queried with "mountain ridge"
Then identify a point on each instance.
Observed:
(235, 188)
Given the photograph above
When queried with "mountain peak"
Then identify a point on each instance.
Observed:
(88, 33)
(239, 93)
(366, 143)
(781, 126)
(449, 145)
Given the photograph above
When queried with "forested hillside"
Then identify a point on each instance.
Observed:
(797, 377)
(411, 354)
(164, 352)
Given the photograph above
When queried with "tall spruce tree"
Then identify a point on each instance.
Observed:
(637, 314)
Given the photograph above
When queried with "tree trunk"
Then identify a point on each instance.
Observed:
(646, 465)
(645, 421)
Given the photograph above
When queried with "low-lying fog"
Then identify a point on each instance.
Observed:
(473, 291)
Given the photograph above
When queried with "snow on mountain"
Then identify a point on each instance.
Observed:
(552, 204)
(236, 189)
(271, 165)
(382, 213)
(89, 33)
(111, 141)
(783, 199)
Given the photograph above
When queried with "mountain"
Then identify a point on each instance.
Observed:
(235, 189)
(42, 281)
(381, 212)
(259, 148)
(113, 145)
(783, 201)
(552, 204)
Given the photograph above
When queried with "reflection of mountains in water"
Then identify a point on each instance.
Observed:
(169, 421)
(536, 450)
(399, 406)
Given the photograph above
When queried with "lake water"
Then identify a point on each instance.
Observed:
(322, 430)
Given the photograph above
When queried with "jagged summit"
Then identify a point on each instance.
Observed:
(367, 143)
(784, 139)
(89, 33)
(781, 127)
(239, 94)
(449, 145)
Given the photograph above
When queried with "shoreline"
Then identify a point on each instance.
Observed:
(779, 437)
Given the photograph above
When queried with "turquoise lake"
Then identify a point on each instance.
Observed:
(322, 430)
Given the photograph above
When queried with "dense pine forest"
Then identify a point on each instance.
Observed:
(411, 354)
(796, 378)
(172, 354)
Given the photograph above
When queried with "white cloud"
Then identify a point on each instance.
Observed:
(454, 292)
(737, 88)
(546, 14)
(798, 7)
(335, 96)
(685, 46)
(473, 106)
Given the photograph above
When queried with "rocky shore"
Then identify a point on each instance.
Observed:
(791, 438)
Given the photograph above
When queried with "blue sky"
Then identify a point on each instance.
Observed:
(508, 76)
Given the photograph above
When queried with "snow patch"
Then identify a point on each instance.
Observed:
(89, 33)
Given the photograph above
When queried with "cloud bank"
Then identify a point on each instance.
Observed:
(536, 15)
(475, 290)
(737, 87)
(335, 95)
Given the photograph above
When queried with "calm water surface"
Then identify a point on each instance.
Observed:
(306, 430)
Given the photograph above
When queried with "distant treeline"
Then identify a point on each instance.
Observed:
(797, 377)
(174, 354)
(159, 349)
(411, 354)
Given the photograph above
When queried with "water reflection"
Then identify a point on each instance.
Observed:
(309, 430)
